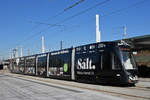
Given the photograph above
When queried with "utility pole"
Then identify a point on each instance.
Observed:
(125, 32)
(43, 49)
(98, 33)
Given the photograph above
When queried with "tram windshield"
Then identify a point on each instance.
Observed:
(128, 60)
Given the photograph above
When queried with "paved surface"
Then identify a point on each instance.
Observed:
(20, 87)
(16, 88)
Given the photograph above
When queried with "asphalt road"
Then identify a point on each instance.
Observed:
(15, 88)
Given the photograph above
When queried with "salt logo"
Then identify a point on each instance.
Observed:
(85, 64)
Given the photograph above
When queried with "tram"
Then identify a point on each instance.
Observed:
(104, 62)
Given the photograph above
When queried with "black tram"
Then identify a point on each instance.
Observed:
(104, 62)
(108, 62)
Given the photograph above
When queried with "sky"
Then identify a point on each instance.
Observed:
(24, 22)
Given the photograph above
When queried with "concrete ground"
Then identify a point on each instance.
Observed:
(15, 88)
(22, 87)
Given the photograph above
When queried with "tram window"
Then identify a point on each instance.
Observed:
(115, 62)
(42, 63)
(56, 64)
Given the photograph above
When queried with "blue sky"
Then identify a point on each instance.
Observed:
(23, 22)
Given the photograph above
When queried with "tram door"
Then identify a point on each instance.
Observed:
(106, 66)
(42, 65)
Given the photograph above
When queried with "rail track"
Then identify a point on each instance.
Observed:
(125, 95)
(138, 88)
(120, 94)
(141, 88)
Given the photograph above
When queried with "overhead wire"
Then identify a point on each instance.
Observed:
(66, 9)
(86, 10)
(121, 10)
(62, 12)
(125, 8)
(69, 18)
(45, 23)
(73, 5)
(58, 14)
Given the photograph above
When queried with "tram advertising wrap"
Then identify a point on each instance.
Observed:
(104, 62)
(30, 65)
(60, 64)
(86, 60)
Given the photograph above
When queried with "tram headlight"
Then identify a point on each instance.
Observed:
(135, 78)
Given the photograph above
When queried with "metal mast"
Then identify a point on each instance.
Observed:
(43, 49)
(61, 45)
(98, 33)
(125, 32)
